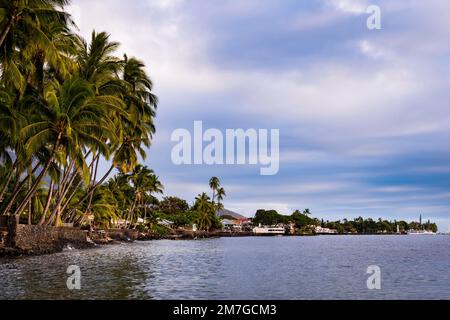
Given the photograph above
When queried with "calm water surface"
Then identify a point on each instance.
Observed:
(325, 267)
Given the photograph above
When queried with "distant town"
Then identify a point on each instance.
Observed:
(302, 223)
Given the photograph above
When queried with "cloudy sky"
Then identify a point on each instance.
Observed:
(363, 114)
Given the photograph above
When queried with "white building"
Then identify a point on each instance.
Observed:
(269, 230)
(320, 230)
(231, 225)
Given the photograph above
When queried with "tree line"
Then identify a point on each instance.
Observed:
(303, 221)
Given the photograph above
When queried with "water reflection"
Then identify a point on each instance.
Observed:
(239, 268)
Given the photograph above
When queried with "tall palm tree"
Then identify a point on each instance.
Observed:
(214, 184)
(137, 130)
(221, 194)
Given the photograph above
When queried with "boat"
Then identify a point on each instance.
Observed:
(421, 232)
(269, 231)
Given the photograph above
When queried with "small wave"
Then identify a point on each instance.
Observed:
(68, 247)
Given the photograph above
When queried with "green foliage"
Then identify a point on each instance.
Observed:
(173, 206)
(269, 218)
(302, 220)
(369, 226)
(205, 212)
(158, 229)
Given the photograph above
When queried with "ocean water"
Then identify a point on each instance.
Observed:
(323, 267)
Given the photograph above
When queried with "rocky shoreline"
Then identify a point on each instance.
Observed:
(25, 240)
(60, 245)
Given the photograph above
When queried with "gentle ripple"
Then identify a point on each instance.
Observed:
(325, 267)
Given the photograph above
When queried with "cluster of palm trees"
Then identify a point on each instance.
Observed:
(206, 208)
(68, 107)
(218, 192)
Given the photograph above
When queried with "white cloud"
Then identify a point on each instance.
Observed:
(164, 4)
(373, 51)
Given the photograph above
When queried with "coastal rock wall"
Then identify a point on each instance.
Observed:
(30, 239)
(34, 238)
(43, 239)
(123, 235)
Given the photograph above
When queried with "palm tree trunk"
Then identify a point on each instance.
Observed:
(31, 193)
(8, 180)
(47, 204)
(65, 181)
(66, 188)
(69, 217)
(17, 188)
(58, 215)
(93, 183)
(145, 212)
(130, 214)
(91, 191)
(30, 181)
(30, 214)
(63, 188)
(5, 31)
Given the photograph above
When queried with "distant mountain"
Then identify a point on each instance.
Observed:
(230, 213)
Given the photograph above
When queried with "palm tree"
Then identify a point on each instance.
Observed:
(29, 15)
(33, 38)
(103, 207)
(66, 105)
(10, 122)
(71, 116)
(205, 211)
(145, 183)
(96, 61)
(221, 194)
(214, 184)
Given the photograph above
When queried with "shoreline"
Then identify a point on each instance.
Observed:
(94, 239)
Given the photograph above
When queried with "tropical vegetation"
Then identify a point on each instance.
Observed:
(303, 223)
(69, 107)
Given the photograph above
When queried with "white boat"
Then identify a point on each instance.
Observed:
(421, 232)
(269, 231)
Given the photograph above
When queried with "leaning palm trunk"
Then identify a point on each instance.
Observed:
(72, 213)
(5, 31)
(75, 189)
(30, 204)
(34, 187)
(8, 180)
(47, 204)
(88, 208)
(17, 189)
